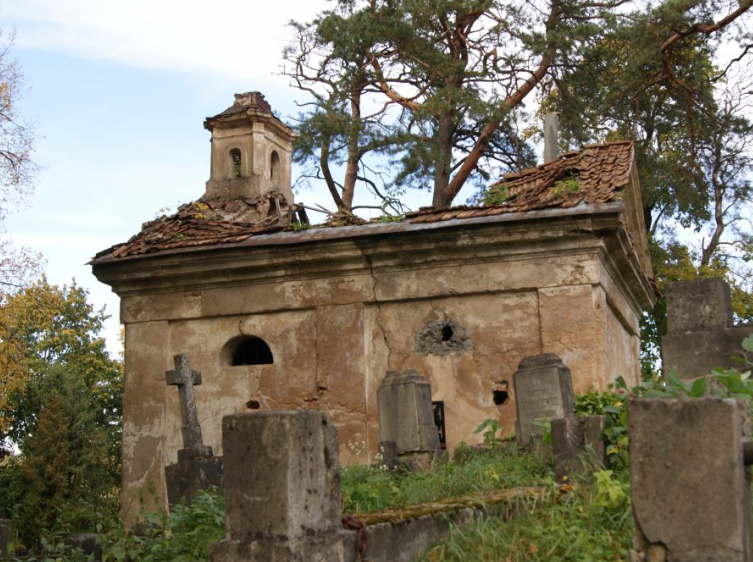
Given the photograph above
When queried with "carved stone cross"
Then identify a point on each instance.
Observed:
(185, 379)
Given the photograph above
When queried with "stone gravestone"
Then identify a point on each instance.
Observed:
(282, 490)
(406, 417)
(574, 438)
(700, 333)
(689, 485)
(197, 468)
(543, 391)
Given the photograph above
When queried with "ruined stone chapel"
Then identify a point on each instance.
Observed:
(279, 317)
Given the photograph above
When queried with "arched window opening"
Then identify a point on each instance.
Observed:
(275, 167)
(235, 163)
(247, 350)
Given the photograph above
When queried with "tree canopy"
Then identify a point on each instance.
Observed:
(60, 405)
(438, 89)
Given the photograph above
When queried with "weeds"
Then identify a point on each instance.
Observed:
(590, 523)
(368, 489)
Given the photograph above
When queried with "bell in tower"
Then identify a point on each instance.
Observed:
(251, 150)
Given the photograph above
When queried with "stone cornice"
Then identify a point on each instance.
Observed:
(384, 248)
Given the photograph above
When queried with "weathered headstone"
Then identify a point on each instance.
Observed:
(700, 333)
(577, 444)
(543, 391)
(406, 417)
(689, 485)
(282, 489)
(197, 468)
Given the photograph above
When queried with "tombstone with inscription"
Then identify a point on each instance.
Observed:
(543, 391)
(406, 417)
(197, 468)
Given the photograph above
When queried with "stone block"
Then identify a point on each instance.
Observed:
(543, 390)
(694, 354)
(333, 548)
(577, 445)
(700, 335)
(700, 305)
(405, 413)
(282, 475)
(185, 478)
(690, 488)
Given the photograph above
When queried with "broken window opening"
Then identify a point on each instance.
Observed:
(247, 350)
(235, 163)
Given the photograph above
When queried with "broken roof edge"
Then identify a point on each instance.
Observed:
(288, 237)
(509, 177)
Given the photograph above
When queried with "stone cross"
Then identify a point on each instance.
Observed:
(185, 379)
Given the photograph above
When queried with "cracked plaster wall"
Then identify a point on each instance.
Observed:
(334, 338)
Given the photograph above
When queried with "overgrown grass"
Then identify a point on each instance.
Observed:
(366, 489)
(590, 522)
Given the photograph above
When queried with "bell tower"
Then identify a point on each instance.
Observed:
(251, 150)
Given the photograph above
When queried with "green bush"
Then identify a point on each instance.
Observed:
(182, 536)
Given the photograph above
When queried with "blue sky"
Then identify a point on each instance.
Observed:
(118, 93)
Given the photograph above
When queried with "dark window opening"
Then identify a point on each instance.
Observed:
(253, 405)
(447, 332)
(438, 408)
(275, 168)
(235, 163)
(500, 394)
(247, 350)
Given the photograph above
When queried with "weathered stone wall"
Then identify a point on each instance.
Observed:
(461, 310)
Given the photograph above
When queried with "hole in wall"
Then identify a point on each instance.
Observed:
(253, 405)
(500, 393)
(447, 332)
(442, 336)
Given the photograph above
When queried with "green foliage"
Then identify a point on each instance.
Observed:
(490, 428)
(590, 523)
(45, 331)
(613, 405)
(560, 187)
(497, 195)
(391, 218)
(300, 226)
(60, 400)
(182, 536)
(368, 489)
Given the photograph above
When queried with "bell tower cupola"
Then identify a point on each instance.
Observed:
(251, 150)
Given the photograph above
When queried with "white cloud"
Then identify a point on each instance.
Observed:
(233, 37)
